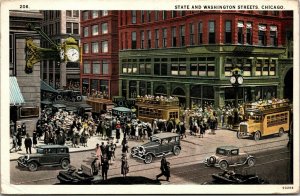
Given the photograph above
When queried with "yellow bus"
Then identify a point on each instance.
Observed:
(150, 109)
(262, 119)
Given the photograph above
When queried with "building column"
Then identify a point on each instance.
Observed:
(280, 91)
(168, 89)
(137, 88)
(63, 74)
(219, 96)
(152, 88)
(187, 95)
(127, 89)
(252, 93)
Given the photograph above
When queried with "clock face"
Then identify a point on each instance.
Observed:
(240, 80)
(62, 55)
(72, 54)
(232, 80)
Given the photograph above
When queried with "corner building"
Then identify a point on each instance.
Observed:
(190, 54)
(99, 42)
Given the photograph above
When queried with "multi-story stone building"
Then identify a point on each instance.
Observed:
(99, 40)
(59, 25)
(190, 54)
(24, 88)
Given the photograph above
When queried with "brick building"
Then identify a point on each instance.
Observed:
(190, 54)
(99, 42)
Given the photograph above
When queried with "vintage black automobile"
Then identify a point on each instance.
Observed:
(230, 177)
(69, 95)
(161, 143)
(82, 176)
(46, 155)
(227, 156)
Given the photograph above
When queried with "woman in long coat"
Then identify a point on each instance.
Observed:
(124, 166)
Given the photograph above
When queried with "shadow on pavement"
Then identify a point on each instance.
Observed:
(131, 180)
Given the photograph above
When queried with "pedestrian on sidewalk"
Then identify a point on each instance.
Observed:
(124, 165)
(125, 146)
(118, 131)
(19, 138)
(15, 143)
(34, 138)
(95, 165)
(163, 162)
(104, 167)
(23, 127)
(28, 143)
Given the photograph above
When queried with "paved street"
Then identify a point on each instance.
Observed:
(194, 151)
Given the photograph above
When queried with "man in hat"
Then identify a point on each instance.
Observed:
(28, 143)
(163, 162)
(105, 167)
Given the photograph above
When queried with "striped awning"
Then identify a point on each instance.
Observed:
(16, 97)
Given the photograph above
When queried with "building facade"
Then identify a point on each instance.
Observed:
(99, 41)
(190, 54)
(24, 88)
(59, 25)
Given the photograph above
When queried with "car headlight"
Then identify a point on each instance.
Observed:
(212, 160)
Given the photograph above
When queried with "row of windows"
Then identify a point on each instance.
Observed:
(277, 119)
(95, 30)
(51, 14)
(96, 67)
(94, 47)
(202, 66)
(93, 14)
(72, 13)
(178, 35)
(89, 85)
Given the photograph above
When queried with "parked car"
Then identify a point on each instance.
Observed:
(227, 156)
(162, 143)
(84, 109)
(46, 155)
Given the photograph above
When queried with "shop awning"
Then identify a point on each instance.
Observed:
(15, 95)
(47, 87)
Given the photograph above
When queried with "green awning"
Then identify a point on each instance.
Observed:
(15, 95)
(47, 87)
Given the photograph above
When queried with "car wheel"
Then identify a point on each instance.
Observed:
(251, 162)
(148, 158)
(256, 135)
(65, 164)
(223, 165)
(239, 135)
(32, 166)
(176, 151)
(281, 132)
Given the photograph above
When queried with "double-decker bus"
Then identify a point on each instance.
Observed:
(262, 119)
(149, 109)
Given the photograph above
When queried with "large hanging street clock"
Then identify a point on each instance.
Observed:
(68, 51)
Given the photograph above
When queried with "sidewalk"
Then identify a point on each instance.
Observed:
(207, 144)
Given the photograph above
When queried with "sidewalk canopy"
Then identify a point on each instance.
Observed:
(15, 95)
(47, 87)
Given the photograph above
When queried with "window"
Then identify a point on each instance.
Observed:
(69, 13)
(240, 32)
(174, 14)
(104, 29)
(85, 31)
(124, 68)
(95, 30)
(192, 34)
(104, 67)
(57, 28)
(164, 16)
(182, 35)
(273, 67)
(149, 16)
(161, 69)
(142, 39)
(149, 38)
(68, 27)
(258, 67)
(156, 15)
(156, 38)
(262, 35)
(178, 69)
(85, 15)
(249, 33)
(228, 35)
(96, 67)
(104, 46)
(273, 35)
(133, 17)
(174, 36)
(182, 13)
(247, 69)
(75, 28)
(211, 35)
(145, 69)
(104, 86)
(265, 70)
(228, 67)
(95, 14)
(142, 16)
(200, 33)
(85, 48)
(133, 40)
(86, 67)
(95, 47)
(75, 13)
(104, 12)
(164, 37)
(202, 66)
